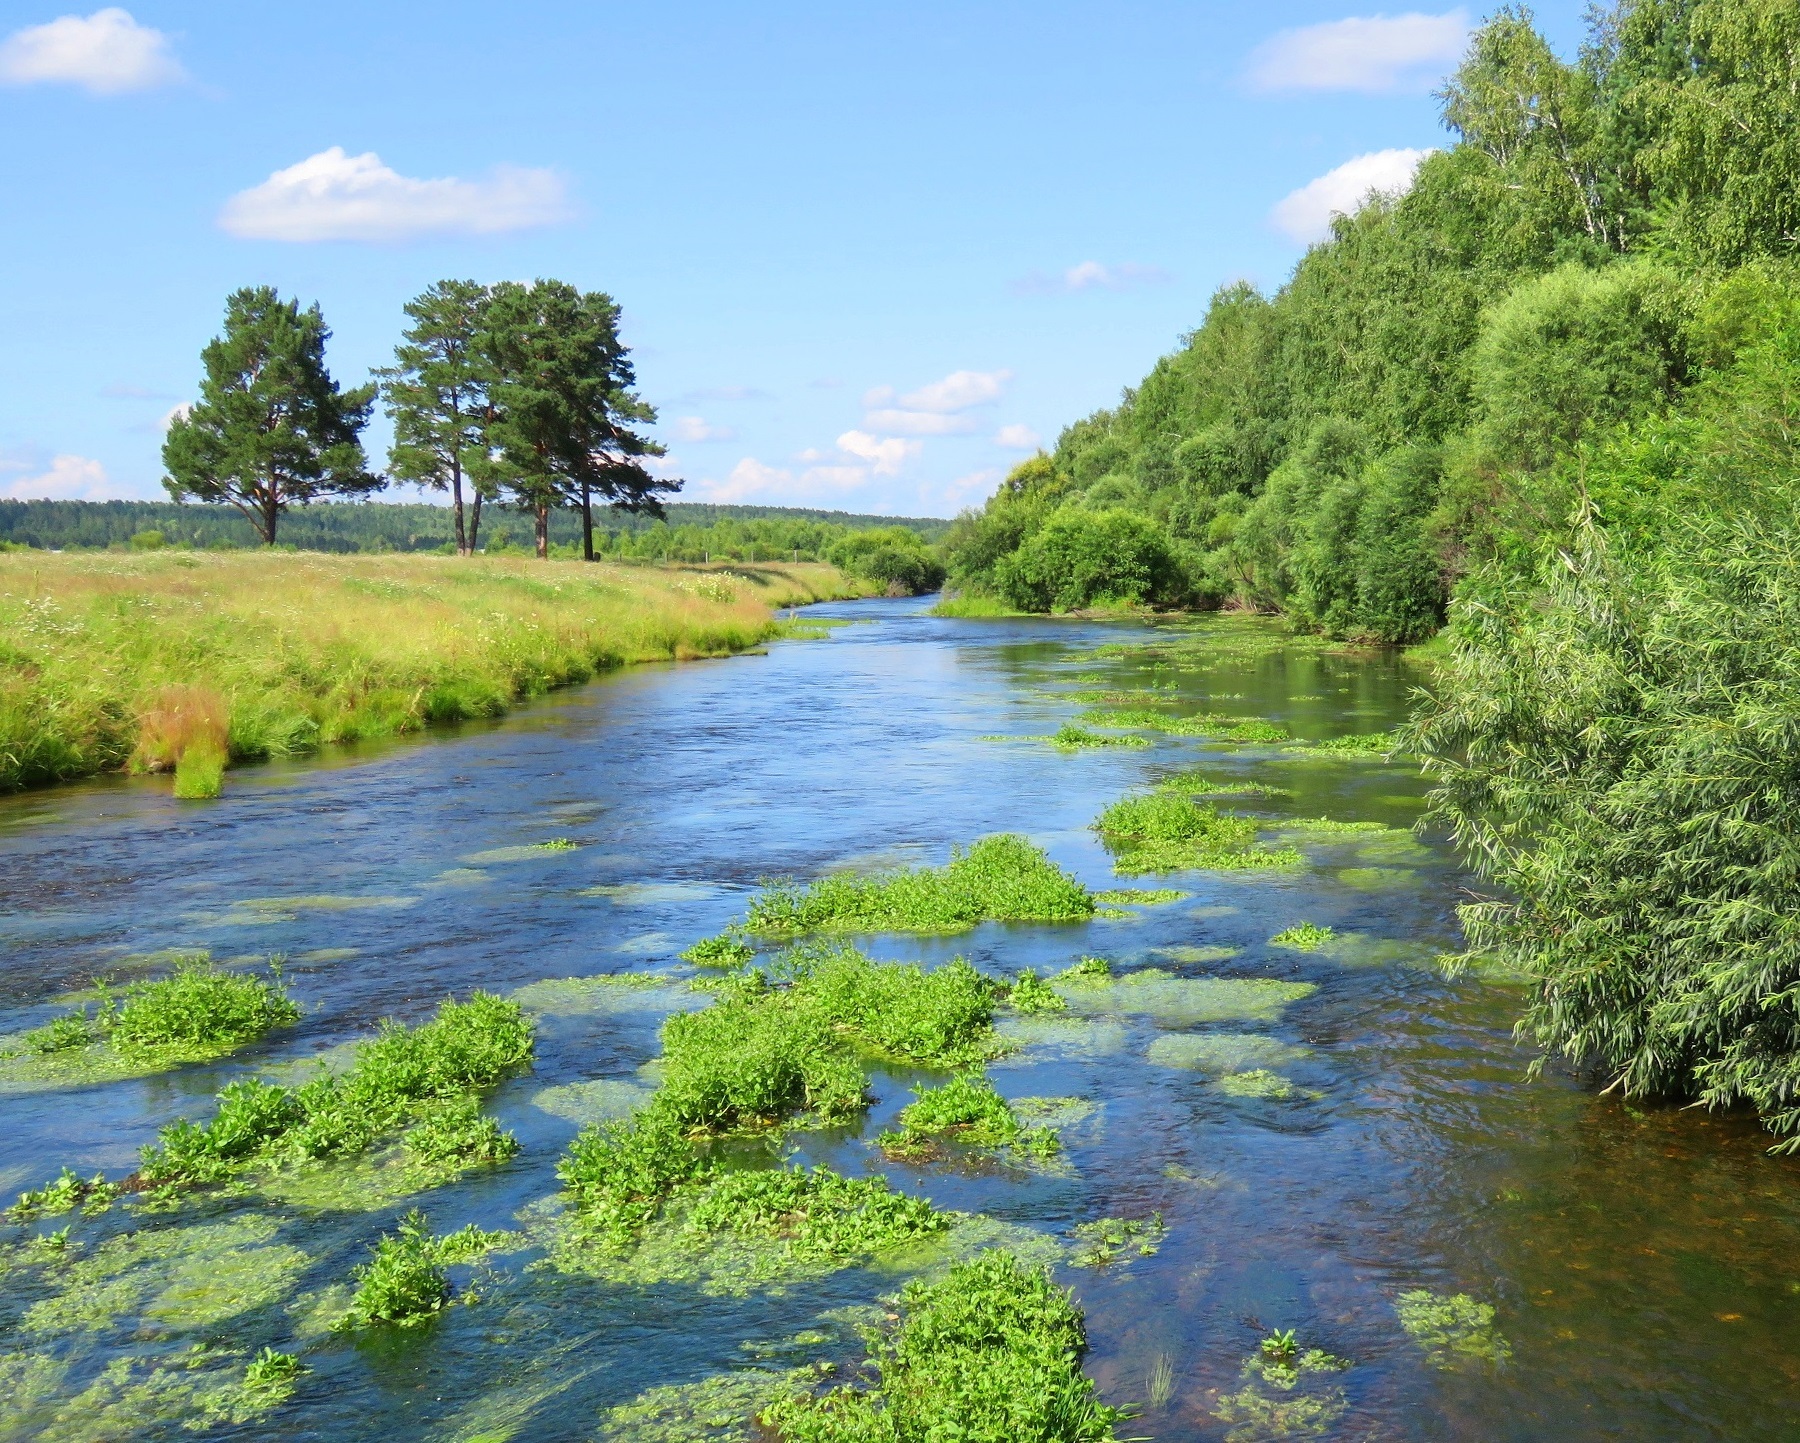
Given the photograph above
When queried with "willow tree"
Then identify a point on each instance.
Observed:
(563, 410)
(271, 427)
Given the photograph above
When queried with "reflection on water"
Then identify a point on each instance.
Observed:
(1317, 1151)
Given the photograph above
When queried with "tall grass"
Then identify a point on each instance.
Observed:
(182, 661)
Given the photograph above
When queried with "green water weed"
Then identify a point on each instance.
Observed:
(1106, 1240)
(1140, 896)
(989, 1353)
(819, 1215)
(1305, 937)
(459, 1135)
(1164, 831)
(728, 950)
(404, 1282)
(63, 1194)
(966, 1110)
(1030, 995)
(618, 1174)
(1454, 1329)
(1085, 971)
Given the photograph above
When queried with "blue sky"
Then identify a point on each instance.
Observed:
(868, 255)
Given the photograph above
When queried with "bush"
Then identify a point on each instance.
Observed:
(990, 1353)
(1083, 558)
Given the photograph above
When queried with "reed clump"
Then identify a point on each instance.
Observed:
(403, 1074)
(989, 1353)
(997, 879)
(184, 661)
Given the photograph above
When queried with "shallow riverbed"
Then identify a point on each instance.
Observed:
(1642, 1264)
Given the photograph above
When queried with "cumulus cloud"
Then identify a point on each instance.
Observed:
(1305, 215)
(1017, 437)
(886, 454)
(695, 428)
(1091, 275)
(334, 196)
(1371, 54)
(107, 53)
(70, 478)
(897, 422)
(752, 479)
(935, 409)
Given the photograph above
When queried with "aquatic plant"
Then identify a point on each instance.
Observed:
(940, 1017)
(1001, 878)
(1453, 1330)
(1141, 896)
(618, 1174)
(1165, 831)
(1105, 1240)
(1086, 970)
(460, 1135)
(1258, 1082)
(404, 1282)
(1162, 1381)
(966, 1110)
(1030, 994)
(66, 1192)
(1281, 1361)
(273, 1374)
(1366, 744)
(1221, 728)
(727, 950)
(1070, 737)
(403, 1071)
(819, 1215)
(1304, 937)
(199, 1010)
(989, 1353)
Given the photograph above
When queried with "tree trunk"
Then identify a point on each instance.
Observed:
(462, 543)
(271, 510)
(475, 522)
(543, 531)
(587, 524)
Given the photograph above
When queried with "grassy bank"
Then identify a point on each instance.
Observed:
(186, 661)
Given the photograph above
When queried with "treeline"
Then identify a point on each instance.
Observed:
(1411, 403)
(1551, 394)
(689, 530)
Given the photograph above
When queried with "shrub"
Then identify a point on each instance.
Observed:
(990, 1353)
(1080, 558)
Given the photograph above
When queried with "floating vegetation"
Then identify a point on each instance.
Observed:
(405, 1282)
(1107, 1240)
(1152, 992)
(1003, 878)
(1329, 826)
(1259, 1082)
(728, 950)
(967, 1111)
(1195, 954)
(1066, 1036)
(596, 1100)
(604, 992)
(1366, 744)
(1030, 994)
(1219, 728)
(1084, 971)
(1376, 879)
(523, 853)
(720, 1409)
(197, 1013)
(1140, 896)
(403, 1074)
(1281, 1361)
(1163, 831)
(66, 1193)
(650, 894)
(1259, 1418)
(990, 1353)
(1454, 1329)
(1222, 1053)
(1306, 937)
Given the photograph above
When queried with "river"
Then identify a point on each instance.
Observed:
(1642, 1263)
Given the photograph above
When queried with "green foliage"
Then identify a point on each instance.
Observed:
(197, 1006)
(819, 1215)
(1165, 831)
(273, 1372)
(727, 950)
(618, 1174)
(459, 1135)
(896, 558)
(1453, 1330)
(403, 1072)
(1086, 970)
(990, 1353)
(1106, 1240)
(1306, 937)
(271, 428)
(1082, 558)
(1003, 878)
(1070, 737)
(967, 1110)
(67, 1192)
(1030, 994)
(404, 1282)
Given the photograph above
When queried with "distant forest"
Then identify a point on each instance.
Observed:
(384, 526)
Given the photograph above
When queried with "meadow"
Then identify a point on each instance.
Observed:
(187, 661)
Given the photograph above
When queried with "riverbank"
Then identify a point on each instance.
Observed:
(187, 661)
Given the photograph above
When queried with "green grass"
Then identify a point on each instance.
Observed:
(182, 661)
(966, 1110)
(402, 1074)
(197, 1011)
(1003, 878)
(1163, 831)
(1306, 937)
(990, 1353)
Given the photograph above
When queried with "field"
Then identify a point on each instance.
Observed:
(187, 661)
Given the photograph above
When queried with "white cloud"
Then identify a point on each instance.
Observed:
(1017, 437)
(933, 410)
(886, 454)
(1306, 214)
(751, 479)
(334, 196)
(70, 478)
(108, 53)
(1092, 275)
(957, 392)
(694, 428)
(1372, 54)
(178, 412)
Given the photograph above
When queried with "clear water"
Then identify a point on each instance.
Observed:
(1642, 1262)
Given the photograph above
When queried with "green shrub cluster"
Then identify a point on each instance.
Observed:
(1002, 879)
(403, 1073)
(1166, 831)
(197, 1009)
(967, 1110)
(990, 1353)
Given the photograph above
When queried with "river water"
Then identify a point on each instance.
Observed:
(1643, 1263)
